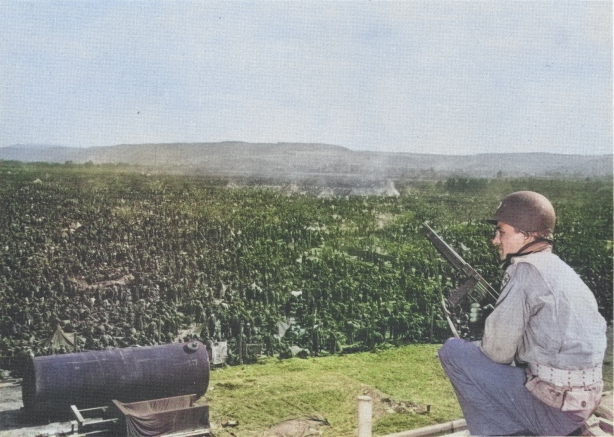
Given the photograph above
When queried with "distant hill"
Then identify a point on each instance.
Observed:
(299, 160)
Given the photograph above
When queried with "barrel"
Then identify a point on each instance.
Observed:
(90, 379)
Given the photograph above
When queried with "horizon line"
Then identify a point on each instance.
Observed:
(58, 146)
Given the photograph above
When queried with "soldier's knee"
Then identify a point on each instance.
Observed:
(453, 349)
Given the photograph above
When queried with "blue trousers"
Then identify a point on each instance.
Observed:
(494, 399)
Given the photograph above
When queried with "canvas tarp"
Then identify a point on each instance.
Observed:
(160, 416)
(58, 340)
(219, 352)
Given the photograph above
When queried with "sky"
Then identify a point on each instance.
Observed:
(445, 77)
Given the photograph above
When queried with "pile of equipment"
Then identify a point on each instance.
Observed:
(137, 391)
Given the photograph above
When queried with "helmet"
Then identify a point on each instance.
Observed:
(527, 211)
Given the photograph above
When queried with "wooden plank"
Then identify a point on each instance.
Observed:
(453, 426)
(606, 406)
(99, 421)
(606, 425)
(77, 414)
(191, 433)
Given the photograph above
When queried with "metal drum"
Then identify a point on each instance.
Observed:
(87, 379)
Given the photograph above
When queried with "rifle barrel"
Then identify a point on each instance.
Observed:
(444, 249)
(475, 281)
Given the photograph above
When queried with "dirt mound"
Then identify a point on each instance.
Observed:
(384, 404)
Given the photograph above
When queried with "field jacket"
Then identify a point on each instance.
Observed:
(547, 316)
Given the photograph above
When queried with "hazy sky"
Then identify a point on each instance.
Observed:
(414, 76)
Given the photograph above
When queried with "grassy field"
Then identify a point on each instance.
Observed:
(405, 379)
(402, 382)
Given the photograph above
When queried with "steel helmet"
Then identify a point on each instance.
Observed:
(527, 211)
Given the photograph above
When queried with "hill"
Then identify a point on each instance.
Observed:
(299, 161)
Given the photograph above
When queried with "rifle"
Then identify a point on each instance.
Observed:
(475, 287)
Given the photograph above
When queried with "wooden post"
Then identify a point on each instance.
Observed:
(365, 416)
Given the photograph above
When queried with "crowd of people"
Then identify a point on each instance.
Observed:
(115, 272)
(120, 260)
(117, 266)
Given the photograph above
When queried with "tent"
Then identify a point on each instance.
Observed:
(60, 339)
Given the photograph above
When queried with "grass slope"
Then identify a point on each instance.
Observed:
(262, 395)
(402, 382)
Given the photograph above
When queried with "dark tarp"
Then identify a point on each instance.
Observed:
(159, 416)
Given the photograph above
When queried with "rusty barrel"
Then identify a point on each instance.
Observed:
(89, 379)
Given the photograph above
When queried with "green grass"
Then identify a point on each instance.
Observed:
(607, 376)
(261, 395)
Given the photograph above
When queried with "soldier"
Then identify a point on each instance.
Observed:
(538, 369)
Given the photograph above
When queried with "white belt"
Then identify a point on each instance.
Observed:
(567, 378)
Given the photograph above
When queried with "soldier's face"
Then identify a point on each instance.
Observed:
(509, 240)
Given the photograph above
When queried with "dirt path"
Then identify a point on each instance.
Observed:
(12, 420)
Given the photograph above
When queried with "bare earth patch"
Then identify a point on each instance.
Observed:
(298, 427)
(12, 420)
(312, 426)
(384, 404)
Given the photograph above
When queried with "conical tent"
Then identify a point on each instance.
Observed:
(59, 339)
